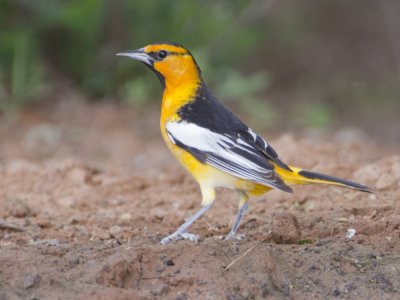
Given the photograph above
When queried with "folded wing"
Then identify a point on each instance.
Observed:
(240, 154)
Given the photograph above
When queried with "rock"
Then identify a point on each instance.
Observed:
(115, 230)
(169, 262)
(285, 228)
(126, 217)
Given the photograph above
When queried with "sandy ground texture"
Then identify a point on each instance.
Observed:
(87, 192)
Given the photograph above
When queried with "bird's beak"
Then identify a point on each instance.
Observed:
(138, 54)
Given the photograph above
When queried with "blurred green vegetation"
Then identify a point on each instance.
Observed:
(48, 40)
(310, 61)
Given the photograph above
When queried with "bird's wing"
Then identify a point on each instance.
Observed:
(260, 144)
(232, 153)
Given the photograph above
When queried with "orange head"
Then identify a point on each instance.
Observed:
(173, 64)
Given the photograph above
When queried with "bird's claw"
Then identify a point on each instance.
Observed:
(190, 236)
(179, 236)
(231, 235)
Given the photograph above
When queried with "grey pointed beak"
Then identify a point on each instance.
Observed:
(139, 55)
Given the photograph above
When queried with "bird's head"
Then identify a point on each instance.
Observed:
(172, 63)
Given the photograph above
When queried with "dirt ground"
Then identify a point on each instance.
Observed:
(88, 191)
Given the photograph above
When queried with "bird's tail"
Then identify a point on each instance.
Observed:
(300, 176)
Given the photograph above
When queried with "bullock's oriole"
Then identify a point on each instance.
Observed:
(217, 148)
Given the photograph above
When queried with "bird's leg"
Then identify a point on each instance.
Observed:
(181, 232)
(208, 199)
(243, 206)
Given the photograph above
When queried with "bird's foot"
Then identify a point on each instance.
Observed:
(232, 235)
(179, 236)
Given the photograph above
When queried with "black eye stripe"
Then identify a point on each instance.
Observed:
(155, 54)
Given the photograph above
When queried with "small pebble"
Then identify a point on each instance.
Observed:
(115, 230)
(350, 233)
(126, 217)
(169, 262)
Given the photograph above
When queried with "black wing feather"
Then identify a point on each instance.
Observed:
(259, 143)
(207, 112)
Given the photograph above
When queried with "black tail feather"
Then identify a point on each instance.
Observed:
(329, 178)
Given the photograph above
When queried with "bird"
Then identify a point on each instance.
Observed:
(213, 144)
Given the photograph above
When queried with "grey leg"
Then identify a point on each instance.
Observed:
(243, 206)
(181, 232)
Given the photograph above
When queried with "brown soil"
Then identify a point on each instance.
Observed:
(87, 192)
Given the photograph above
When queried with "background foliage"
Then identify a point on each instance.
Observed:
(311, 61)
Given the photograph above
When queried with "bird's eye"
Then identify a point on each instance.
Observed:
(162, 54)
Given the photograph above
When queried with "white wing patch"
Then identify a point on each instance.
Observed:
(194, 136)
(255, 136)
(230, 154)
